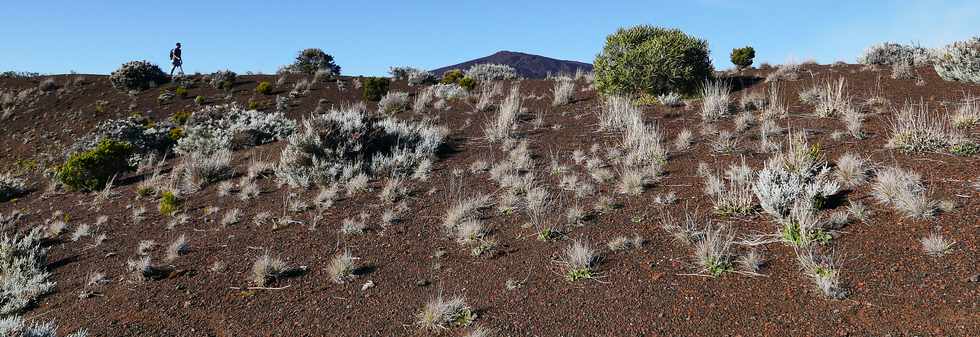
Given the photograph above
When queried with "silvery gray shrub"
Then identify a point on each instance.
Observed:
(491, 72)
(960, 61)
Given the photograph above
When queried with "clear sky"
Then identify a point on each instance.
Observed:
(366, 37)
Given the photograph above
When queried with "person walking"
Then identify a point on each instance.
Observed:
(176, 60)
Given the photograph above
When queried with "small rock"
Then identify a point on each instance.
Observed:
(974, 279)
(367, 285)
(421, 283)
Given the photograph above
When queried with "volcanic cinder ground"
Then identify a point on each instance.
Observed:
(893, 287)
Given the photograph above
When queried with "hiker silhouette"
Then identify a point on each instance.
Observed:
(176, 60)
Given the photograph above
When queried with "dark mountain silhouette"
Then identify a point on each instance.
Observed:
(527, 65)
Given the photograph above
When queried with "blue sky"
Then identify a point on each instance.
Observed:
(366, 37)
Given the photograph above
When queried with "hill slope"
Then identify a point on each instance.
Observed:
(527, 65)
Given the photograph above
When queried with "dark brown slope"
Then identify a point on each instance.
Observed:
(894, 289)
(527, 65)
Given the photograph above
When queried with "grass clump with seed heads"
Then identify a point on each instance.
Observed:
(578, 260)
(935, 244)
(441, 314)
(341, 267)
(712, 250)
(266, 269)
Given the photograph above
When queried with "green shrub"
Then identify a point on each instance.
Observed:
(199, 100)
(90, 170)
(180, 117)
(742, 57)
(170, 203)
(176, 134)
(452, 76)
(375, 88)
(264, 88)
(652, 60)
(467, 83)
(252, 105)
(181, 92)
(965, 149)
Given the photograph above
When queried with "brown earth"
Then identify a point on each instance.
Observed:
(894, 288)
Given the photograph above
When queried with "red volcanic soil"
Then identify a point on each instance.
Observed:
(894, 288)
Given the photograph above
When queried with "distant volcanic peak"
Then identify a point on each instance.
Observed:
(527, 65)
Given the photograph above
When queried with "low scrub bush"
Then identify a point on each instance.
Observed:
(393, 102)
(651, 60)
(413, 76)
(960, 61)
(181, 92)
(467, 83)
(11, 186)
(170, 203)
(491, 72)
(15, 326)
(447, 91)
(672, 99)
(137, 76)
(90, 170)
(452, 76)
(223, 79)
(375, 88)
(231, 126)
(23, 274)
(145, 137)
(264, 88)
(340, 144)
(887, 54)
(797, 174)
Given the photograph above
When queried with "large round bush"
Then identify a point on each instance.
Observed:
(960, 61)
(310, 60)
(137, 75)
(651, 60)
